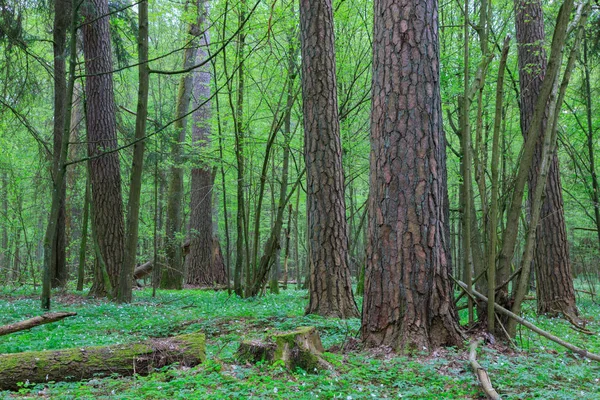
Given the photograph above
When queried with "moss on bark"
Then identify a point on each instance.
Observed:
(87, 362)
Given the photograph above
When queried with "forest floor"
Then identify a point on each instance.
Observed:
(537, 369)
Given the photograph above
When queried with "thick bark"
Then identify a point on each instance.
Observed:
(62, 19)
(104, 168)
(555, 291)
(330, 289)
(408, 300)
(90, 362)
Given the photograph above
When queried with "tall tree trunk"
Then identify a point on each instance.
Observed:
(135, 184)
(202, 267)
(4, 248)
(62, 20)
(172, 275)
(104, 167)
(590, 136)
(555, 292)
(408, 301)
(329, 288)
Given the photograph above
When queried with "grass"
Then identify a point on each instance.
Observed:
(539, 370)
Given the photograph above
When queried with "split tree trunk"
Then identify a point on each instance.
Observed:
(62, 20)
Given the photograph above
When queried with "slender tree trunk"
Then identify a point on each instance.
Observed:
(62, 20)
(4, 248)
(330, 289)
(84, 236)
(553, 269)
(492, 240)
(51, 235)
(590, 136)
(202, 267)
(104, 167)
(408, 301)
(135, 184)
(467, 185)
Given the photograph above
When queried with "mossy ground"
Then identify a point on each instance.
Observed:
(540, 369)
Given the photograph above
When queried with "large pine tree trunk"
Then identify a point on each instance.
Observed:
(203, 268)
(408, 300)
(330, 290)
(105, 170)
(555, 292)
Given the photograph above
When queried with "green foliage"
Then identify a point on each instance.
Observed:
(540, 370)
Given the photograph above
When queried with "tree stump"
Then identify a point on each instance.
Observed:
(87, 362)
(300, 348)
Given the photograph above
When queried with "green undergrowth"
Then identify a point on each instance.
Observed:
(539, 369)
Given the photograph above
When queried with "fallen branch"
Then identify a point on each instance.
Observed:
(33, 322)
(527, 324)
(481, 373)
(89, 362)
(142, 270)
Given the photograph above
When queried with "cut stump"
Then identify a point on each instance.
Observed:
(88, 362)
(300, 348)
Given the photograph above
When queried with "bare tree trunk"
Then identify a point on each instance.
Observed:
(202, 268)
(492, 241)
(135, 185)
(62, 20)
(408, 300)
(553, 269)
(172, 274)
(590, 137)
(104, 167)
(330, 289)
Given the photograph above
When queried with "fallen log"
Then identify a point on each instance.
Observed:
(87, 362)
(142, 270)
(527, 324)
(35, 321)
(300, 348)
(481, 373)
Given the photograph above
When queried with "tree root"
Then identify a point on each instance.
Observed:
(481, 373)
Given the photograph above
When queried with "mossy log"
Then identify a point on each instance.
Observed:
(300, 348)
(87, 362)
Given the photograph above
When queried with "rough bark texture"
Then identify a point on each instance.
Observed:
(330, 290)
(90, 362)
(62, 14)
(203, 268)
(408, 292)
(105, 175)
(555, 292)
